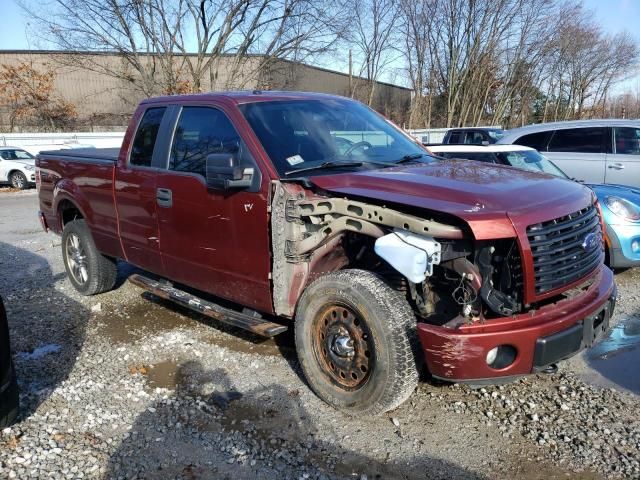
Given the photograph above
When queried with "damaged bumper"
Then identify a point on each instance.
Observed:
(539, 338)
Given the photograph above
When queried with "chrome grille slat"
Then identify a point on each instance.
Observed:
(556, 247)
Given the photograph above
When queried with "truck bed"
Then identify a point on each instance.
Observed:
(84, 154)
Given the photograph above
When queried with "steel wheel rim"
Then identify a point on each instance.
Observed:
(343, 347)
(77, 259)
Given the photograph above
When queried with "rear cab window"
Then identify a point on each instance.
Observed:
(145, 140)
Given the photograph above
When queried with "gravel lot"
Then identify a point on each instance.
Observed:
(123, 385)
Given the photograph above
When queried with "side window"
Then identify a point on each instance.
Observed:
(534, 140)
(627, 140)
(581, 140)
(473, 138)
(145, 139)
(200, 132)
(454, 137)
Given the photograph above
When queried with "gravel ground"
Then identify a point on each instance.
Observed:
(124, 385)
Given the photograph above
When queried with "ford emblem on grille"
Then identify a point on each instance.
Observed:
(590, 242)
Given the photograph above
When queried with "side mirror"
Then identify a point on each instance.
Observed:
(485, 142)
(225, 173)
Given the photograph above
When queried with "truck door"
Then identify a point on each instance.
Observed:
(135, 192)
(623, 166)
(214, 240)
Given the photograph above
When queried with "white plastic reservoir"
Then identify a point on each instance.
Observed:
(412, 255)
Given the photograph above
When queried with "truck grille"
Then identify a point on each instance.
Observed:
(565, 249)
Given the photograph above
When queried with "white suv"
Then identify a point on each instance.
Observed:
(17, 167)
(593, 151)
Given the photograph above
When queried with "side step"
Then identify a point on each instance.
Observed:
(251, 323)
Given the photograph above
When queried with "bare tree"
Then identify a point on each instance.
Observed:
(372, 38)
(173, 46)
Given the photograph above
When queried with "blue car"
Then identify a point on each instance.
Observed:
(620, 205)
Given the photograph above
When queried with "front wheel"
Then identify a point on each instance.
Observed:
(19, 180)
(89, 271)
(357, 342)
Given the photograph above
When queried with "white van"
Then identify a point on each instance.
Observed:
(593, 151)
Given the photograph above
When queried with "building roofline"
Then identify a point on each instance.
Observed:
(179, 54)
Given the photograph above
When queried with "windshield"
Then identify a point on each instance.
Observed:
(530, 160)
(15, 154)
(299, 134)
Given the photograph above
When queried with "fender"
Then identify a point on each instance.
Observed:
(67, 190)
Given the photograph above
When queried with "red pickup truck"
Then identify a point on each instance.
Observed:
(312, 211)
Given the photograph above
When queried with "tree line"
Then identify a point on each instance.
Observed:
(468, 62)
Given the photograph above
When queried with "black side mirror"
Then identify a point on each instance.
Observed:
(225, 173)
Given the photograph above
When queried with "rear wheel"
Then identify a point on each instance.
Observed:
(89, 271)
(18, 180)
(356, 340)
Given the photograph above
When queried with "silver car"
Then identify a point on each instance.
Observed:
(593, 151)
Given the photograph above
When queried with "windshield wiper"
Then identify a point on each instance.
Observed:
(326, 165)
(335, 164)
(412, 157)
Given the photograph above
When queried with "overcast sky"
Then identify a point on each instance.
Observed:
(614, 16)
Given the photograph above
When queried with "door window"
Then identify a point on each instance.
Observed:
(473, 138)
(201, 131)
(145, 139)
(627, 140)
(454, 137)
(580, 140)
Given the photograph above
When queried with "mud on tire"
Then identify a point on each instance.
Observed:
(357, 342)
(88, 270)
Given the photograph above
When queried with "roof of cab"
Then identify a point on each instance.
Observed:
(477, 148)
(246, 96)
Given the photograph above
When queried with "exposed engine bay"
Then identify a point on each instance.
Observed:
(448, 277)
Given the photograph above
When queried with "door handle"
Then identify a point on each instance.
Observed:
(617, 166)
(164, 197)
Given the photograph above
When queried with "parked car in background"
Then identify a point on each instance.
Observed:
(17, 167)
(8, 385)
(592, 151)
(620, 205)
(473, 136)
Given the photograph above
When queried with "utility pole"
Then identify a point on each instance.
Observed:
(350, 74)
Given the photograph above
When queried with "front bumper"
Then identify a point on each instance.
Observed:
(552, 333)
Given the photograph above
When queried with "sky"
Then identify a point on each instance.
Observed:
(613, 15)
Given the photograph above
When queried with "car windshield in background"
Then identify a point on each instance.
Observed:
(530, 160)
(314, 134)
(15, 155)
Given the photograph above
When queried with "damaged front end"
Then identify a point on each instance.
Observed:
(448, 278)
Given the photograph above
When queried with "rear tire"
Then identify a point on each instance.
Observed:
(18, 180)
(357, 342)
(89, 271)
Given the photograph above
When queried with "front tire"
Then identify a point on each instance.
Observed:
(357, 342)
(89, 271)
(19, 180)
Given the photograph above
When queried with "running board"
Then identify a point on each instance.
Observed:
(251, 323)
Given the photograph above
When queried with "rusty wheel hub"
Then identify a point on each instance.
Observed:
(343, 346)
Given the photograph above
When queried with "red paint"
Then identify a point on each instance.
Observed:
(469, 344)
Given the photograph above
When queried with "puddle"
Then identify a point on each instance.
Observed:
(242, 344)
(616, 357)
(137, 320)
(163, 375)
